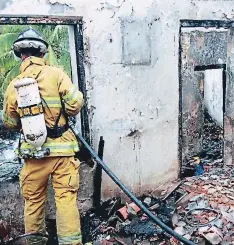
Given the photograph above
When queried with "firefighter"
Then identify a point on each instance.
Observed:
(60, 98)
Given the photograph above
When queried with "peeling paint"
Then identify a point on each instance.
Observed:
(62, 3)
(113, 7)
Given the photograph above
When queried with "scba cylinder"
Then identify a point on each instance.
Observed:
(31, 111)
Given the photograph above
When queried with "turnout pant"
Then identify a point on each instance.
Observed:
(64, 172)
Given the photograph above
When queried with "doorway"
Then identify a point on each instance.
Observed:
(206, 94)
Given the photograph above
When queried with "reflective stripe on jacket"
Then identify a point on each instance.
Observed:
(55, 88)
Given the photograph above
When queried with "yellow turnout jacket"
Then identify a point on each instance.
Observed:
(55, 88)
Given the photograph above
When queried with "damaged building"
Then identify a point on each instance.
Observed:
(158, 83)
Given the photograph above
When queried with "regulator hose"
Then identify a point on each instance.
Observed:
(126, 191)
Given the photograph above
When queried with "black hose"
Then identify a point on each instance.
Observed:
(26, 235)
(126, 191)
(201, 224)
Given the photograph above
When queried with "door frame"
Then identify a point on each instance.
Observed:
(186, 23)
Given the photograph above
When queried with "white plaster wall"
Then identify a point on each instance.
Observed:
(122, 98)
(213, 94)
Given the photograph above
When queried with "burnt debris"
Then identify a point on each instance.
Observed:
(211, 154)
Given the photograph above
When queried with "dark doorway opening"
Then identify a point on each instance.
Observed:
(213, 100)
(206, 95)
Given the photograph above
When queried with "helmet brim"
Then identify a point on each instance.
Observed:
(32, 39)
(18, 45)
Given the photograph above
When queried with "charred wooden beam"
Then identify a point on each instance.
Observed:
(39, 19)
(98, 177)
(206, 23)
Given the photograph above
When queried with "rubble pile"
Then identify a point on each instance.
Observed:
(200, 208)
(205, 211)
(9, 164)
(120, 223)
(212, 141)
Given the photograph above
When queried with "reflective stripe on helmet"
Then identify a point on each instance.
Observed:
(17, 46)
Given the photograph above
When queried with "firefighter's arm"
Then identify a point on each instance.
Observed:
(71, 97)
(10, 117)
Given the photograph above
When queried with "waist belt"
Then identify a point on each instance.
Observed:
(57, 131)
